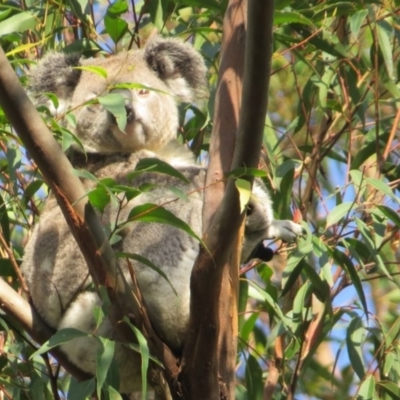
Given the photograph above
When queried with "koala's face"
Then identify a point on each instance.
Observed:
(151, 115)
(170, 70)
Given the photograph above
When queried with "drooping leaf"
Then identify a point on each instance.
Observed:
(104, 357)
(355, 336)
(244, 189)
(145, 355)
(115, 104)
(60, 337)
(156, 165)
(344, 262)
(155, 213)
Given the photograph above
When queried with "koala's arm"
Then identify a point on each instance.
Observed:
(286, 230)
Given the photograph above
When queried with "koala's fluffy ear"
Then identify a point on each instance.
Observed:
(55, 74)
(180, 66)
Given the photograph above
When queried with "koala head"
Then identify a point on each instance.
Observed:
(166, 72)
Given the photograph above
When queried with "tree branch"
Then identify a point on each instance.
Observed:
(19, 309)
(200, 362)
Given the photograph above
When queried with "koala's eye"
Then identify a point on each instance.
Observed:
(143, 92)
(250, 209)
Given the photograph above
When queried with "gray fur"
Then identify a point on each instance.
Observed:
(55, 270)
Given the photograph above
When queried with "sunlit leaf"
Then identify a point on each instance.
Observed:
(244, 189)
(356, 21)
(367, 389)
(115, 104)
(385, 46)
(339, 212)
(94, 69)
(115, 27)
(20, 22)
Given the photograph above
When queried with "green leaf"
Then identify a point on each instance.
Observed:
(294, 265)
(96, 70)
(60, 337)
(383, 188)
(115, 27)
(115, 104)
(344, 262)
(355, 336)
(81, 390)
(388, 363)
(18, 23)
(155, 213)
(367, 389)
(104, 358)
(390, 388)
(78, 7)
(157, 165)
(211, 4)
(369, 242)
(254, 378)
(393, 333)
(242, 171)
(338, 213)
(244, 189)
(288, 17)
(145, 355)
(385, 46)
(274, 306)
(117, 8)
(156, 8)
(4, 220)
(356, 21)
(248, 326)
(299, 304)
(99, 198)
(146, 261)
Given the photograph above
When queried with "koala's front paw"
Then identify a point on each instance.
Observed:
(286, 230)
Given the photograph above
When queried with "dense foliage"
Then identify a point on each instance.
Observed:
(321, 320)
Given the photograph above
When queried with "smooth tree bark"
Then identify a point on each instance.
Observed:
(210, 348)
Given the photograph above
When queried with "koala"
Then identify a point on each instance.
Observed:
(168, 72)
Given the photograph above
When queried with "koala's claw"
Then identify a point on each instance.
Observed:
(286, 230)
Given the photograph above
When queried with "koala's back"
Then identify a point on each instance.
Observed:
(56, 271)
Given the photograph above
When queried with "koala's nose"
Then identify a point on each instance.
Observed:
(130, 114)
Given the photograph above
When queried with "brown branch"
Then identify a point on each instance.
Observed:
(80, 216)
(19, 309)
(201, 360)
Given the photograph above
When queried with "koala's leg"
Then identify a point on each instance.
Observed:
(286, 230)
(82, 351)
